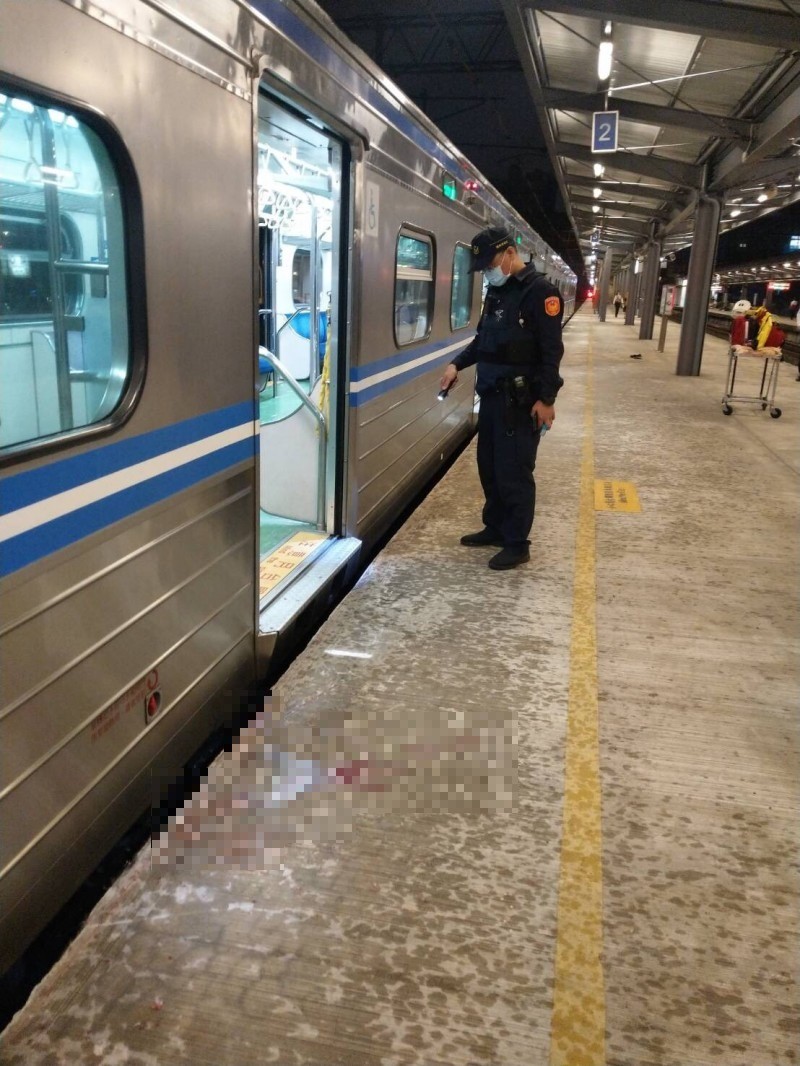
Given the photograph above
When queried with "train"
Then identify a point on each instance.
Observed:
(234, 259)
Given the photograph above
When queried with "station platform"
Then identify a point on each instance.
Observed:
(541, 817)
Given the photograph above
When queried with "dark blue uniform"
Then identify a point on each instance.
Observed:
(519, 336)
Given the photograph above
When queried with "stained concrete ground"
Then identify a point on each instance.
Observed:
(372, 876)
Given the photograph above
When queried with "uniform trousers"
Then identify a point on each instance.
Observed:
(507, 443)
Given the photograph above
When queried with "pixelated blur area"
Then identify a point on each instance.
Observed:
(286, 783)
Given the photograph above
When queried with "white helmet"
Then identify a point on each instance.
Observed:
(741, 307)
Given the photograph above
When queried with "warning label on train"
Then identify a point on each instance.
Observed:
(130, 700)
(284, 559)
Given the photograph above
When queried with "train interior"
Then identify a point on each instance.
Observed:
(62, 302)
(299, 188)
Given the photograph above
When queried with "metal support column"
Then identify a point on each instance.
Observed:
(701, 265)
(633, 294)
(652, 269)
(605, 280)
(627, 285)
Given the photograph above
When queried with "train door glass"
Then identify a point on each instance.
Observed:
(299, 183)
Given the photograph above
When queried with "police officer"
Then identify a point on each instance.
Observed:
(518, 350)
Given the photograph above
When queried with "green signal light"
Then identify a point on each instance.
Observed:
(449, 187)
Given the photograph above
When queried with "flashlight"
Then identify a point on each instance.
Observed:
(443, 392)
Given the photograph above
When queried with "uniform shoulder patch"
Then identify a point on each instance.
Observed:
(552, 305)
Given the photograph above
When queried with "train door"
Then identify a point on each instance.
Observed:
(301, 174)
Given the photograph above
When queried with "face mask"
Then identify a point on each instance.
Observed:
(495, 275)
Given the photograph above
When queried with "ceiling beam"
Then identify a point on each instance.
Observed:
(634, 210)
(756, 173)
(630, 188)
(650, 114)
(678, 217)
(686, 175)
(629, 226)
(624, 240)
(729, 22)
(777, 133)
(652, 193)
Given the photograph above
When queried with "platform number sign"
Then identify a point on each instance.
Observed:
(605, 125)
(373, 213)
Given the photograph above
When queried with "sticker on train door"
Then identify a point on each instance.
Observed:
(372, 212)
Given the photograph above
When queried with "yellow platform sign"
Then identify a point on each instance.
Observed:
(616, 496)
(284, 559)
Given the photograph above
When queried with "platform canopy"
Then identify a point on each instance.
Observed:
(708, 95)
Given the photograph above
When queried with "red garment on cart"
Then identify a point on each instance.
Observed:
(739, 330)
(776, 338)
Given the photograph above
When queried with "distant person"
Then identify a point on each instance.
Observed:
(518, 350)
(618, 302)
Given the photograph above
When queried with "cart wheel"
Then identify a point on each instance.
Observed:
(775, 412)
(764, 406)
(727, 409)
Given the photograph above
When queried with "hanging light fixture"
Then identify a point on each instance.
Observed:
(605, 53)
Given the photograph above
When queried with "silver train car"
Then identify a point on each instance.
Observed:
(232, 266)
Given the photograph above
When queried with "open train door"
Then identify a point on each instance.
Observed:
(302, 190)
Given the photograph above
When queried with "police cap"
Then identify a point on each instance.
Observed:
(486, 245)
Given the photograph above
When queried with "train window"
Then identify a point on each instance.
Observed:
(63, 302)
(413, 287)
(461, 291)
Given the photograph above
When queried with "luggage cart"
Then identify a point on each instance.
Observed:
(771, 358)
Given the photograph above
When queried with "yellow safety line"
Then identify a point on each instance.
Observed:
(578, 1024)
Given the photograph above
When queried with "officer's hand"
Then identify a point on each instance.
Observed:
(543, 413)
(449, 376)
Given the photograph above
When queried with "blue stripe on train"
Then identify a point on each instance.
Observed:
(52, 536)
(32, 486)
(396, 362)
(406, 355)
(357, 399)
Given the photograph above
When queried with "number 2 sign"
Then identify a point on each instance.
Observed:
(605, 125)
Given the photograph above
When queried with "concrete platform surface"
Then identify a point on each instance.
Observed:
(546, 817)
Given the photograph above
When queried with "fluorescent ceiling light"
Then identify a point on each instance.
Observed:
(605, 55)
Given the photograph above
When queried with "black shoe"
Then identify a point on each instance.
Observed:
(485, 539)
(508, 558)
